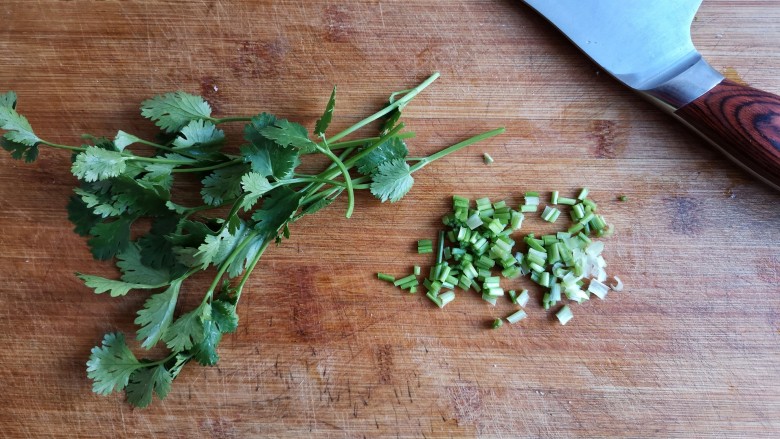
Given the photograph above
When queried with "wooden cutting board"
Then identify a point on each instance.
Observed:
(691, 348)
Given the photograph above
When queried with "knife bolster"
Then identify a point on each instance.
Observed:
(685, 87)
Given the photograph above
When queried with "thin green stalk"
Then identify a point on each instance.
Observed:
(361, 142)
(347, 179)
(212, 167)
(59, 146)
(399, 103)
(226, 263)
(458, 146)
(249, 268)
(218, 121)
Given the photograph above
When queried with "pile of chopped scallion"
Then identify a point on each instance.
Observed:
(480, 251)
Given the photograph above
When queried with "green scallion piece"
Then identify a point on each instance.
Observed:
(404, 280)
(590, 204)
(474, 221)
(417, 270)
(516, 220)
(487, 159)
(564, 315)
(413, 290)
(497, 323)
(385, 277)
(446, 298)
(409, 284)
(567, 201)
(460, 202)
(550, 214)
(544, 279)
(483, 204)
(554, 197)
(525, 208)
(489, 299)
(583, 193)
(424, 246)
(623, 198)
(435, 299)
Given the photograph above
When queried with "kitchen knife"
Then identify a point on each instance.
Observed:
(646, 45)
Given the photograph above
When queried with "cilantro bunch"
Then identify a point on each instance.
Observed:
(126, 179)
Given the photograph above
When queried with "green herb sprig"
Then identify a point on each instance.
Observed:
(258, 185)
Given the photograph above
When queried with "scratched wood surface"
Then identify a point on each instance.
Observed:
(690, 349)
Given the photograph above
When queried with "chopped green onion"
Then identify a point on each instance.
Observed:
(512, 295)
(424, 246)
(385, 277)
(550, 214)
(567, 201)
(564, 315)
(578, 211)
(487, 159)
(525, 208)
(413, 290)
(590, 204)
(598, 289)
(516, 317)
(446, 297)
(474, 221)
(623, 198)
(544, 279)
(523, 298)
(516, 220)
(554, 197)
(483, 204)
(460, 202)
(409, 284)
(497, 323)
(417, 270)
(489, 299)
(404, 280)
(435, 299)
(583, 193)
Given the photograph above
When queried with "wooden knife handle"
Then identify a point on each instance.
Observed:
(744, 123)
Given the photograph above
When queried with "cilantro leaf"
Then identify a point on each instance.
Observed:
(81, 216)
(19, 129)
(392, 180)
(223, 314)
(287, 133)
(391, 149)
(187, 330)
(200, 133)
(314, 207)
(244, 256)
(252, 129)
(123, 140)
(324, 121)
(8, 99)
(216, 248)
(20, 151)
(172, 111)
(269, 159)
(98, 164)
(134, 271)
(109, 238)
(102, 205)
(111, 364)
(156, 315)
(255, 186)
(205, 351)
(159, 174)
(278, 207)
(146, 381)
(156, 247)
(115, 287)
(223, 184)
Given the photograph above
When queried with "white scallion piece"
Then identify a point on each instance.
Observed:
(523, 298)
(564, 315)
(598, 289)
(516, 317)
(618, 285)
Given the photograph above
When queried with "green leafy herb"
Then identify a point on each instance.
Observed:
(248, 202)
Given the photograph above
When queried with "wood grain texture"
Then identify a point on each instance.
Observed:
(690, 349)
(744, 122)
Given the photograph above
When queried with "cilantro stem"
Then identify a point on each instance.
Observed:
(164, 148)
(458, 146)
(212, 167)
(230, 119)
(226, 263)
(361, 142)
(59, 146)
(399, 103)
(347, 178)
(248, 270)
